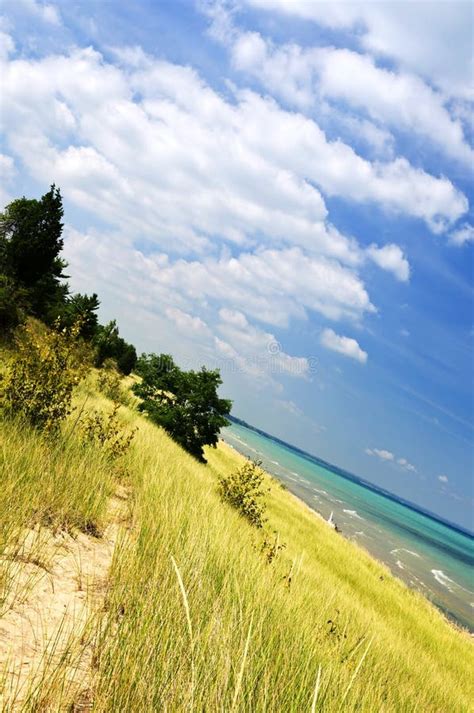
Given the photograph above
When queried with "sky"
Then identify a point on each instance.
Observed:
(278, 188)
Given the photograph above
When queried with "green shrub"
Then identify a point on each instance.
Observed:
(41, 377)
(109, 383)
(244, 491)
(13, 300)
(106, 431)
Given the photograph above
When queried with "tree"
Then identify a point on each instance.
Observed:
(110, 345)
(82, 309)
(13, 305)
(185, 403)
(30, 244)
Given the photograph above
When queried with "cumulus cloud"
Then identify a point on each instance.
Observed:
(462, 235)
(343, 345)
(186, 322)
(383, 454)
(7, 45)
(259, 348)
(391, 258)
(406, 465)
(44, 11)
(394, 30)
(443, 478)
(388, 456)
(306, 76)
(209, 203)
(272, 285)
(236, 170)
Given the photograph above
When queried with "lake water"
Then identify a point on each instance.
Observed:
(427, 554)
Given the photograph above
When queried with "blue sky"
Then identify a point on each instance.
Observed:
(279, 188)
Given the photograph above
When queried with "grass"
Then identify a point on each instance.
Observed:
(196, 618)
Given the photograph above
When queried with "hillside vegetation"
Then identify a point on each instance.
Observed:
(199, 613)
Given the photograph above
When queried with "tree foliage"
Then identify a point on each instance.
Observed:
(185, 403)
(82, 309)
(30, 246)
(13, 305)
(110, 345)
(40, 380)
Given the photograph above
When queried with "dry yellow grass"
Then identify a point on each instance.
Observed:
(195, 617)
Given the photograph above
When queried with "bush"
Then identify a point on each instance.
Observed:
(109, 383)
(244, 491)
(13, 300)
(39, 382)
(106, 432)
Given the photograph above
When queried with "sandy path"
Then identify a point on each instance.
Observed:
(47, 630)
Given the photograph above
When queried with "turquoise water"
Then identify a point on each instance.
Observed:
(428, 555)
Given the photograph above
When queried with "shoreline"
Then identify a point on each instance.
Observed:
(450, 620)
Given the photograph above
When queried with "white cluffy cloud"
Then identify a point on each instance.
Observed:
(443, 478)
(388, 456)
(462, 235)
(343, 345)
(255, 349)
(394, 30)
(381, 453)
(44, 11)
(186, 322)
(307, 76)
(209, 203)
(391, 258)
(405, 464)
(237, 169)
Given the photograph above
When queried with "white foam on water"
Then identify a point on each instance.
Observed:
(402, 549)
(443, 579)
(353, 513)
(400, 564)
(323, 492)
(275, 462)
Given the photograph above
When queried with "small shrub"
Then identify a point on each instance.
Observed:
(244, 491)
(271, 547)
(109, 382)
(41, 377)
(106, 432)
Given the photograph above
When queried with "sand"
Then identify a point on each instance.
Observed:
(60, 584)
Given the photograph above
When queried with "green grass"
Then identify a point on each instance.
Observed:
(195, 617)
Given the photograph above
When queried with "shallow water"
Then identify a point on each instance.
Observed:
(428, 555)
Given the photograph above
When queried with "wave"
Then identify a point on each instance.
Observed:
(402, 549)
(353, 513)
(443, 579)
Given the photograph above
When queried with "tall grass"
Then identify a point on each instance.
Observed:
(58, 483)
(197, 619)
